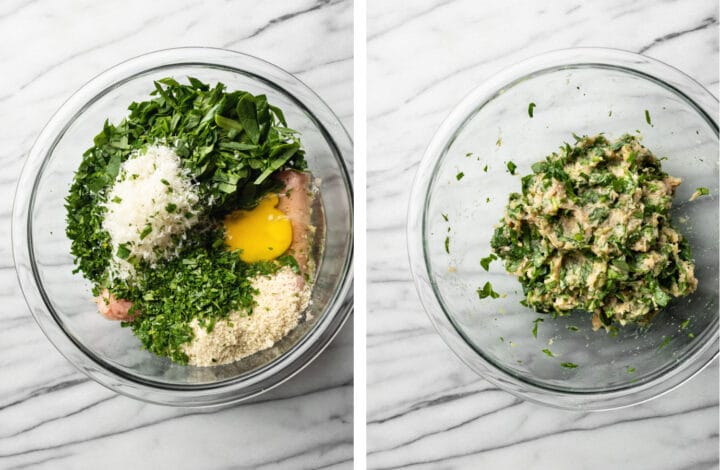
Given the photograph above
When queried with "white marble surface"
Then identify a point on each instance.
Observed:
(426, 409)
(51, 416)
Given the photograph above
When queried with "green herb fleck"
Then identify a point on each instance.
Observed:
(459, 176)
(535, 326)
(123, 252)
(548, 352)
(702, 191)
(485, 262)
(647, 117)
(511, 167)
(170, 208)
(146, 231)
(531, 108)
(630, 370)
(447, 245)
(568, 365)
(289, 260)
(665, 342)
(487, 291)
(445, 217)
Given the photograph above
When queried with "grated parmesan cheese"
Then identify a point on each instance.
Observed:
(150, 205)
(280, 300)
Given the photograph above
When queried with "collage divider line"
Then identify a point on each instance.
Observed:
(360, 235)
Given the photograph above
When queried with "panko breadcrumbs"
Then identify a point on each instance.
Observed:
(280, 300)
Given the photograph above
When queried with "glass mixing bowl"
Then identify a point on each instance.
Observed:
(582, 91)
(61, 301)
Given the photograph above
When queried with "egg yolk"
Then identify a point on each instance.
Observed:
(262, 233)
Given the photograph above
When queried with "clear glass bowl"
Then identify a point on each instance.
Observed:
(582, 91)
(61, 301)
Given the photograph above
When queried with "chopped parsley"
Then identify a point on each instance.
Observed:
(531, 108)
(548, 352)
(511, 167)
(146, 231)
(647, 117)
(123, 252)
(447, 245)
(535, 326)
(485, 262)
(459, 176)
(568, 365)
(192, 286)
(701, 191)
(487, 291)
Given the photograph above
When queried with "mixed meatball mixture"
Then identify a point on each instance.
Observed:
(591, 231)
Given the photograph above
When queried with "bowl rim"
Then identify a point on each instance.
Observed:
(693, 92)
(250, 383)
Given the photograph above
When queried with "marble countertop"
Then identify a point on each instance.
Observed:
(426, 410)
(52, 416)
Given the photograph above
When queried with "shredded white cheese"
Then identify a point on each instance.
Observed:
(150, 206)
(280, 300)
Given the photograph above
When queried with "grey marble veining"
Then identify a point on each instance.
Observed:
(425, 408)
(51, 416)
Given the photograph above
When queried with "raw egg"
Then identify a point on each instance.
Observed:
(262, 233)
